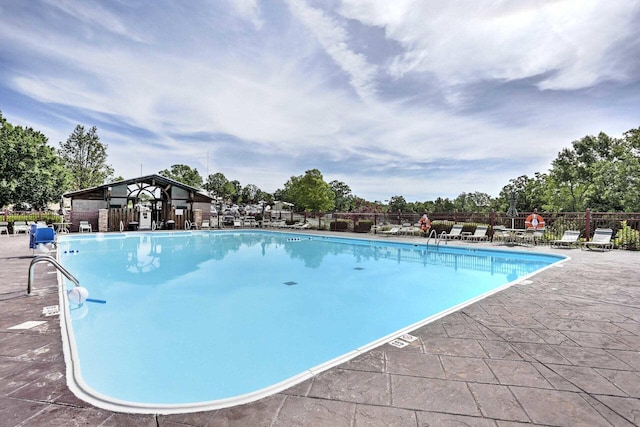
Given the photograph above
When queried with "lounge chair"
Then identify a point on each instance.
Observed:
(406, 229)
(4, 227)
(601, 239)
(205, 225)
(568, 239)
(302, 226)
(454, 233)
(479, 234)
(20, 227)
(237, 223)
(84, 226)
(392, 232)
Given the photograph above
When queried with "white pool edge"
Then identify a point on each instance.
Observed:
(81, 390)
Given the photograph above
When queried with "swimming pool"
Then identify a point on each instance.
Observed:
(201, 320)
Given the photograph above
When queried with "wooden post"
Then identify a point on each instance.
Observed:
(587, 220)
(492, 221)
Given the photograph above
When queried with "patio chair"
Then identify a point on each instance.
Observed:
(568, 239)
(479, 234)
(20, 227)
(205, 225)
(454, 233)
(601, 239)
(501, 235)
(84, 226)
(530, 236)
(4, 227)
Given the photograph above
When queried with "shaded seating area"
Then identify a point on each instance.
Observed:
(601, 239)
(568, 239)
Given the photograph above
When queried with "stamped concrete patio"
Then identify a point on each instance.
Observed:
(562, 350)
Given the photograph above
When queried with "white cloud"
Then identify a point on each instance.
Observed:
(334, 39)
(249, 10)
(96, 16)
(268, 100)
(470, 41)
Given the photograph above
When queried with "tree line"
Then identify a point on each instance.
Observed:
(597, 172)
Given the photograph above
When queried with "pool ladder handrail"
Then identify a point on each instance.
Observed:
(56, 264)
(435, 236)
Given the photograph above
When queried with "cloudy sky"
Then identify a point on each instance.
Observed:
(423, 99)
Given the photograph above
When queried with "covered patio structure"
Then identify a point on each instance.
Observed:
(146, 202)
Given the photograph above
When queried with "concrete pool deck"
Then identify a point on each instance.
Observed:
(562, 350)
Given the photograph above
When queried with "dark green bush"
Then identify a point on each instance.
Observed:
(339, 225)
(363, 226)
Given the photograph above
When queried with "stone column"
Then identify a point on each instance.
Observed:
(197, 218)
(103, 220)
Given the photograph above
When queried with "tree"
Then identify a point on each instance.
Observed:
(30, 170)
(234, 188)
(250, 193)
(308, 192)
(398, 203)
(183, 174)
(85, 158)
(597, 172)
(344, 200)
(530, 191)
(216, 184)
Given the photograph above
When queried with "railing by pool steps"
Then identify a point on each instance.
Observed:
(433, 234)
(52, 261)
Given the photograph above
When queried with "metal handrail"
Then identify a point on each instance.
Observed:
(435, 236)
(56, 264)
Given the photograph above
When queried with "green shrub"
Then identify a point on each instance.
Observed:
(363, 226)
(627, 237)
(339, 225)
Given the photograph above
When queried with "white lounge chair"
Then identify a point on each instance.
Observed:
(601, 239)
(4, 227)
(20, 227)
(391, 232)
(568, 239)
(205, 225)
(84, 226)
(454, 233)
(479, 234)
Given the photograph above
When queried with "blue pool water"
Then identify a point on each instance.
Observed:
(208, 316)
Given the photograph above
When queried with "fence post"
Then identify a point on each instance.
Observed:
(492, 221)
(587, 219)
